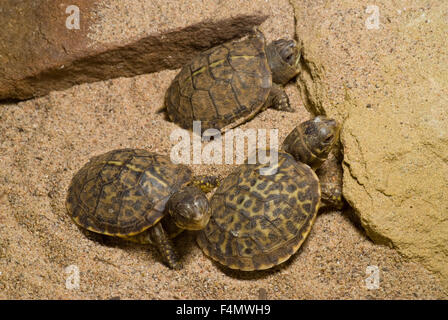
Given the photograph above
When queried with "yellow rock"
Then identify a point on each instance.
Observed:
(383, 71)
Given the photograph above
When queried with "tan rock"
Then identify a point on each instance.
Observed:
(388, 83)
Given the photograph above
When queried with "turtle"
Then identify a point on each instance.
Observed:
(229, 84)
(259, 220)
(140, 196)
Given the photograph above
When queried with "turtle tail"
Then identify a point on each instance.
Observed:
(206, 183)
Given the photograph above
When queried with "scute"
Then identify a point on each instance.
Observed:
(204, 104)
(220, 85)
(123, 192)
(220, 93)
(260, 221)
(221, 70)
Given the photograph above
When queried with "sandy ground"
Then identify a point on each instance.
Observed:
(44, 141)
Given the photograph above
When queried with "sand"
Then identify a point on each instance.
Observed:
(44, 141)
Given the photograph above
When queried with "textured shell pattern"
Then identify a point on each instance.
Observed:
(123, 192)
(220, 85)
(259, 221)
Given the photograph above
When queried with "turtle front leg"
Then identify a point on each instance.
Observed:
(278, 99)
(330, 177)
(331, 196)
(160, 239)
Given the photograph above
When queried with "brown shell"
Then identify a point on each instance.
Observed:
(221, 85)
(123, 192)
(259, 221)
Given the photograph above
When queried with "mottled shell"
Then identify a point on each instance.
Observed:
(221, 85)
(259, 221)
(124, 192)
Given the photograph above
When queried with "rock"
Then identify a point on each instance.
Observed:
(38, 53)
(382, 70)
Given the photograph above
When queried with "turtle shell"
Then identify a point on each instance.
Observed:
(123, 192)
(259, 221)
(221, 85)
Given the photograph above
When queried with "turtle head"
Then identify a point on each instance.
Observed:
(189, 208)
(284, 60)
(311, 141)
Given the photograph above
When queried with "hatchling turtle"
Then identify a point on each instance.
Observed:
(229, 84)
(140, 196)
(260, 220)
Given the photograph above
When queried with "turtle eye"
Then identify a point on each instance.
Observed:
(328, 139)
(289, 58)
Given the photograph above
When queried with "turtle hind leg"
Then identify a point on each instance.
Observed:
(278, 99)
(102, 239)
(160, 239)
